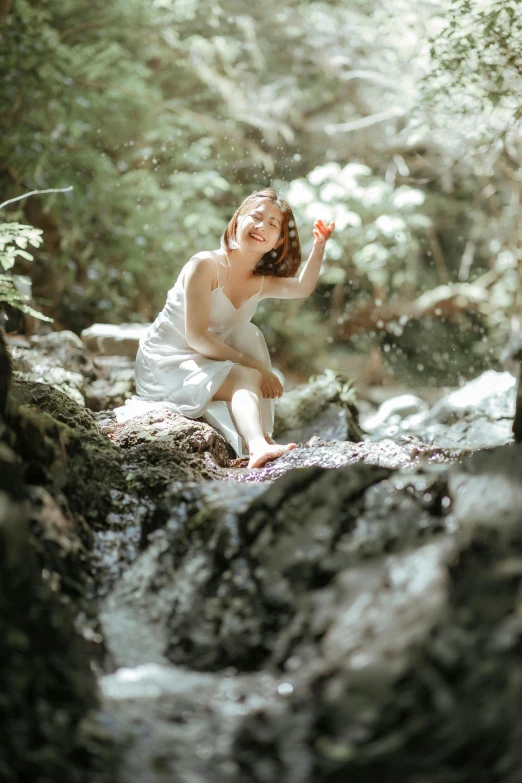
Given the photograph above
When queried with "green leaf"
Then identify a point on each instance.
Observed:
(25, 308)
(24, 254)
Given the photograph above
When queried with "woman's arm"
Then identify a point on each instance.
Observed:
(302, 286)
(198, 279)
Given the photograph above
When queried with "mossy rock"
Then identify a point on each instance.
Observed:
(62, 448)
(49, 693)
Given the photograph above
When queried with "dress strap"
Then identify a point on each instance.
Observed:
(212, 253)
(263, 277)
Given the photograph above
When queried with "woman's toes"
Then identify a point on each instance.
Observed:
(258, 459)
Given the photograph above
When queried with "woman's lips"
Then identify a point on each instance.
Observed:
(256, 237)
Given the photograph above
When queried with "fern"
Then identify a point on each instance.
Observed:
(14, 239)
(9, 294)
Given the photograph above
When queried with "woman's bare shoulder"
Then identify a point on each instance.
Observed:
(202, 266)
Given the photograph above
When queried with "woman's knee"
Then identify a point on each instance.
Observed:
(244, 337)
(246, 377)
(239, 377)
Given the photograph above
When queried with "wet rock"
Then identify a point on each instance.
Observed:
(392, 640)
(323, 407)
(349, 612)
(194, 726)
(161, 453)
(30, 365)
(398, 453)
(478, 415)
(392, 411)
(487, 489)
(222, 586)
(517, 420)
(294, 584)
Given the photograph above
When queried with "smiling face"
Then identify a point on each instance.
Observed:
(261, 226)
(265, 223)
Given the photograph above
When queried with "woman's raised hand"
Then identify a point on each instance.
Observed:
(322, 231)
(271, 386)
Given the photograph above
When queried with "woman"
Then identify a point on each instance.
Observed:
(202, 355)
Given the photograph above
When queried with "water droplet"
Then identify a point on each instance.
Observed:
(285, 689)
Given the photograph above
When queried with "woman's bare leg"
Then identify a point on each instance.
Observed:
(247, 338)
(242, 389)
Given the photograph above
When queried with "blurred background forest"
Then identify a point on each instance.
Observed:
(399, 120)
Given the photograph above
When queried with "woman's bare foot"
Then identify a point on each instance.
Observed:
(267, 452)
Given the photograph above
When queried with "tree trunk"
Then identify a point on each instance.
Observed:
(5, 374)
(5, 5)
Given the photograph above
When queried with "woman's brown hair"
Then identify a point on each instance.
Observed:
(282, 261)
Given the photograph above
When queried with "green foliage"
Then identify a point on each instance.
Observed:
(14, 239)
(477, 65)
(343, 387)
(377, 240)
(164, 115)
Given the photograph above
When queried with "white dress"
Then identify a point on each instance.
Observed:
(169, 373)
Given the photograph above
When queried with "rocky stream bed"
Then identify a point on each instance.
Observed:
(351, 612)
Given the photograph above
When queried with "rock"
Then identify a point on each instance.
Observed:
(265, 567)
(47, 684)
(478, 415)
(491, 393)
(487, 491)
(108, 393)
(348, 611)
(57, 358)
(192, 736)
(65, 346)
(392, 411)
(325, 407)
(405, 451)
(63, 449)
(331, 625)
(50, 726)
(164, 428)
(113, 339)
(61, 360)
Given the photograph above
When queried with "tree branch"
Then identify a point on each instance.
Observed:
(443, 301)
(34, 193)
(364, 122)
